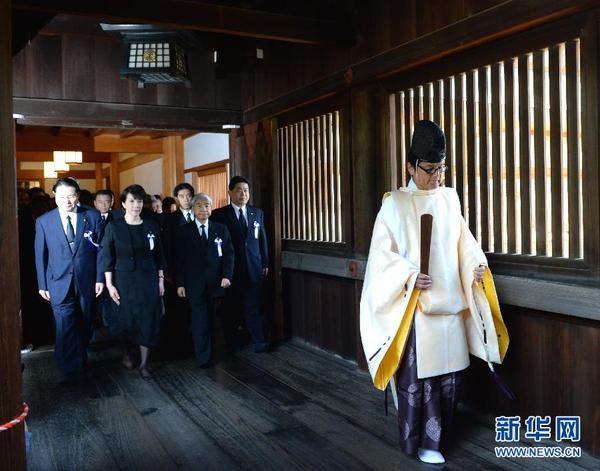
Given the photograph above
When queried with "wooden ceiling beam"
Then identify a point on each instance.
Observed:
(39, 174)
(202, 17)
(46, 156)
(46, 142)
(98, 132)
(137, 160)
(128, 133)
(75, 25)
(183, 134)
(109, 143)
(119, 116)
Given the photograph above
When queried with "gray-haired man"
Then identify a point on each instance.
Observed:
(204, 261)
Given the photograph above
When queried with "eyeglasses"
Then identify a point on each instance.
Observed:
(431, 170)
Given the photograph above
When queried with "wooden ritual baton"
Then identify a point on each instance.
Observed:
(426, 225)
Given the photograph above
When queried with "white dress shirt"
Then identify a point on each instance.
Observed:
(237, 212)
(205, 224)
(185, 212)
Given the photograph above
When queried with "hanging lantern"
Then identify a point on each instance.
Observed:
(60, 162)
(73, 158)
(152, 54)
(49, 171)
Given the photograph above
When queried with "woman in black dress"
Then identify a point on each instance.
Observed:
(134, 264)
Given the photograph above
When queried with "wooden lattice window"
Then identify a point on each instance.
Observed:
(311, 179)
(514, 148)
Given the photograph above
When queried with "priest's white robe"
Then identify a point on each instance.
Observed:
(453, 318)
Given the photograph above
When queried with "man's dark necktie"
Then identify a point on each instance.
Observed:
(242, 221)
(202, 233)
(70, 234)
(188, 217)
(104, 217)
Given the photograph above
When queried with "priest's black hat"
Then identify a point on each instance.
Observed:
(428, 143)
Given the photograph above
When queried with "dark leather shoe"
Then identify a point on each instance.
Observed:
(69, 379)
(145, 373)
(262, 347)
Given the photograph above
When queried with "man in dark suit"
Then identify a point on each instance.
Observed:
(103, 202)
(69, 273)
(249, 237)
(175, 338)
(204, 261)
(183, 193)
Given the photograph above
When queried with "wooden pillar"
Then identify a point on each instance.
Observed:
(172, 163)
(233, 134)
(12, 441)
(366, 187)
(239, 154)
(115, 184)
(366, 195)
(276, 245)
(99, 185)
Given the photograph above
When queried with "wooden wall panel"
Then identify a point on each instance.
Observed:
(321, 310)
(41, 61)
(79, 67)
(381, 25)
(108, 89)
(73, 67)
(552, 367)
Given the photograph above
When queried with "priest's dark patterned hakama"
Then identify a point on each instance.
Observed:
(425, 406)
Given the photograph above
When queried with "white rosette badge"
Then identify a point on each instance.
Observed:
(89, 236)
(256, 227)
(219, 243)
(151, 237)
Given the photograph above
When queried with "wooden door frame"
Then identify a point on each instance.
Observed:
(214, 166)
(12, 441)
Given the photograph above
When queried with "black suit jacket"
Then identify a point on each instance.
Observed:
(109, 217)
(117, 249)
(172, 222)
(251, 251)
(199, 266)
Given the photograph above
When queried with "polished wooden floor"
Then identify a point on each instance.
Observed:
(296, 408)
